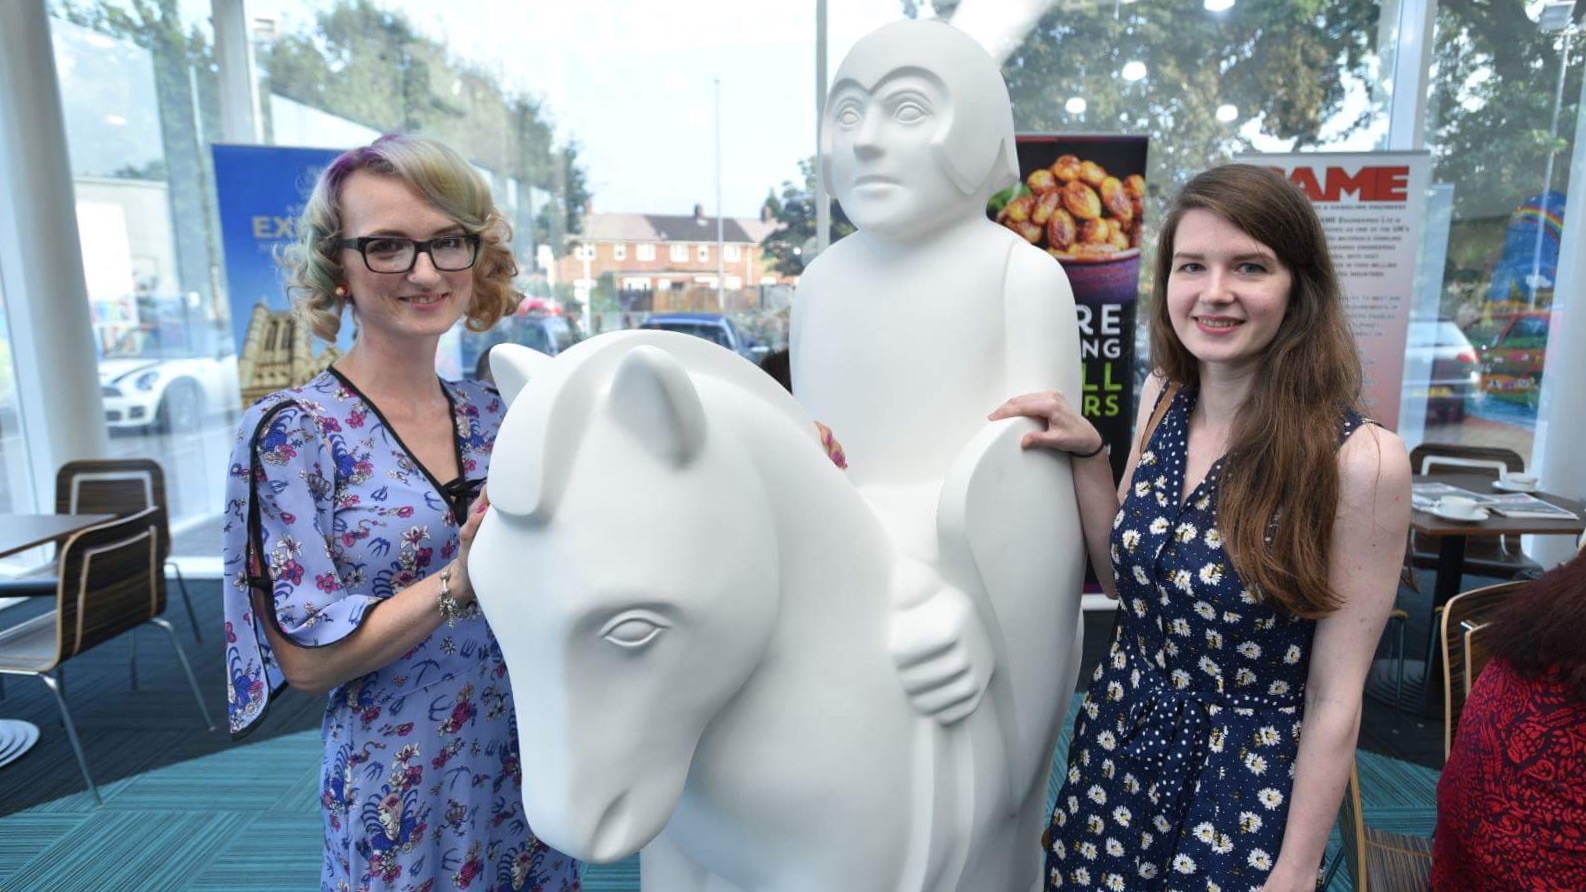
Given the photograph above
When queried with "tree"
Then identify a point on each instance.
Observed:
(785, 249)
(371, 66)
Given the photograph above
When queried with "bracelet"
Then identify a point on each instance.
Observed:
(449, 607)
(1094, 452)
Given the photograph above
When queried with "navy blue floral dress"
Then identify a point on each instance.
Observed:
(1183, 752)
(420, 787)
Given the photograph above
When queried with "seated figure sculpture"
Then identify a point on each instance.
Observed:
(707, 622)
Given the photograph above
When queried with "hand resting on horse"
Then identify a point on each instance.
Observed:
(939, 643)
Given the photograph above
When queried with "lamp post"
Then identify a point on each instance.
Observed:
(721, 262)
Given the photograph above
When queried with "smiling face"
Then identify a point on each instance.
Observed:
(885, 163)
(1227, 293)
(421, 303)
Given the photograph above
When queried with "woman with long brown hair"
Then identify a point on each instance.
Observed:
(1511, 805)
(1255, 548)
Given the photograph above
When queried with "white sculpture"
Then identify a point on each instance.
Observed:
(707, 623)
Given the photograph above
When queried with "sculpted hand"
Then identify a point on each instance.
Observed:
(1066, 429)
(938, 642)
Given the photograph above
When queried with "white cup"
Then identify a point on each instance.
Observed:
(1519, 481)
(1457, 506)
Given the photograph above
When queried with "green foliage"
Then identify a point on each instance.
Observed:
(784, 249)
(370, 66)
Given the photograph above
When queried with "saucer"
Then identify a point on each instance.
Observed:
(1506, 486)
(1480, 515)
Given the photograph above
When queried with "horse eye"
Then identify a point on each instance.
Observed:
(634, 629)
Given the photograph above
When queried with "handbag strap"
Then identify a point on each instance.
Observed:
(1164, 401)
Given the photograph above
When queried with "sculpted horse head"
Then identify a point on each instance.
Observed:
(629, 567)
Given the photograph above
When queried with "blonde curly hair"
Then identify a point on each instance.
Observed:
(447, 181)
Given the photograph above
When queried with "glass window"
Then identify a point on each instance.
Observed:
(679, 253)
(731, 253)
(646, 252)
(1501, 125)
(15, 486)
(704, 254)
(619, 252)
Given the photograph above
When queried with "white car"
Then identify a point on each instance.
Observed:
(144, 390)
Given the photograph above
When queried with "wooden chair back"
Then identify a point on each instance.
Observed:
(1463, 614)
(1476, 459)
(111, 580)
(120, 486)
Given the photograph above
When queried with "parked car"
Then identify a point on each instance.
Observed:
(161, 378)
(546, 333)
(1511, 365)
(713, 327)
(1438, 353)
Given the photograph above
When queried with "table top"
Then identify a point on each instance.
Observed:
(1495, 524)
(19, 532)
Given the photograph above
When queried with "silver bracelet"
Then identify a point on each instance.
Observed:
(449, 607)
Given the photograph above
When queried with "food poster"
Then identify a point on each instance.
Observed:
(1082, 200)
(1373, 207)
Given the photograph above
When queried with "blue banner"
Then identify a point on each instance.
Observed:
(260, 191)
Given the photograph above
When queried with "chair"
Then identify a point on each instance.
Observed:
(110, 582)
(1500, 557)
(1377, 860)
(110, 486)
(1463, 656)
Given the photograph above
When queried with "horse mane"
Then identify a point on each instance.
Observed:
(550, 417)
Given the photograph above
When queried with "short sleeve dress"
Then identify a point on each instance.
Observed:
(1183, 751)
(328, 512)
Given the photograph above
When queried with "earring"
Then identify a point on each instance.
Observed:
(341, 290)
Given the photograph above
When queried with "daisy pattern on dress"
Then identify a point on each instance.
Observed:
(1269, 798)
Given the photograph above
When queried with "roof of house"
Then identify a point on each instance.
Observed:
(600, 227)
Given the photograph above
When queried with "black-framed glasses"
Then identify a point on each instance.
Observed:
(395, 254)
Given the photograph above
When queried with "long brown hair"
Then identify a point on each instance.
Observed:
(1542, 627)
(1279, 489)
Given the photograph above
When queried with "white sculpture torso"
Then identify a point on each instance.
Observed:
(702, 615)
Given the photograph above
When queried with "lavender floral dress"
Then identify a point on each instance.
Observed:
(420, 786)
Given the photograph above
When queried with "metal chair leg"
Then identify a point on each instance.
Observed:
(187, 601)
(191, 680)
(53, 683)
(132, 659)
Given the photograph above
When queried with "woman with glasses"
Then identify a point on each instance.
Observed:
(351, 504)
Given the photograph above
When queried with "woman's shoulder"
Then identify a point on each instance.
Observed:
(481, 395)
(290, 405)
(1372, 457)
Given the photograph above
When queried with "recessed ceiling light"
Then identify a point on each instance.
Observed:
(117, 120)
(1076, 105)
(1133, 71)
(1218, 5)
(1227, 113)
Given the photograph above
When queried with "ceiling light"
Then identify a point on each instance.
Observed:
(1555, 16)
(1133, 71)
(117, 120)
(1075, 105)
(1227, 113)
(1218, 5)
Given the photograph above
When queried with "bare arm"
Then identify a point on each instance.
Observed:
(1363, 566)
(390, 629)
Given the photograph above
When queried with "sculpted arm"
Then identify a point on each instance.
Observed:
(1366, 553)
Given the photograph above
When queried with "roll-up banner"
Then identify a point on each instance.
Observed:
(1081, 199)
(1372, 205)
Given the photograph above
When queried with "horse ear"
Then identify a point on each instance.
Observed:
(654, 398)
(513, 366)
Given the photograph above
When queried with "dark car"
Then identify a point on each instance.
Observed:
(546, 333)
(1438, 353)
(1511, 364)
(713, 327)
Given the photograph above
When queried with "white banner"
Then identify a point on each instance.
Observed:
(1372, 205)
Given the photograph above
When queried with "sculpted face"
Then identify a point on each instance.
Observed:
(885, 165)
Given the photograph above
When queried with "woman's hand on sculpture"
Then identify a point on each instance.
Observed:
(834, 449)
(1066, 429)
(462, 588)
(938, 642)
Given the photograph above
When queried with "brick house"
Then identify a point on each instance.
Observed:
(672, 257)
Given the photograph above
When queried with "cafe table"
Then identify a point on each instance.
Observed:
(1423, 683)
(19, 532)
